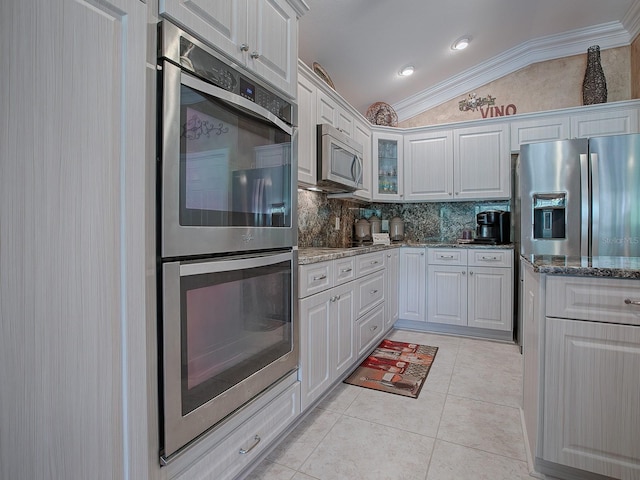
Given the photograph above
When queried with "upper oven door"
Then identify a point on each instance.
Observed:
(228, 170)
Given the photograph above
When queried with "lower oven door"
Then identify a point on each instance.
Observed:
(228, 334)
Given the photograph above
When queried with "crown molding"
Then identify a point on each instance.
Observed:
(631, 20)
(575, 42)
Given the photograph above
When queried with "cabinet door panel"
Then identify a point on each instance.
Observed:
(413, 271)
(490, 303)
(592, 399)
(482, 163)
(344, 329)
(428, 171)
(219, 22)
(315, 341)
(273, 44)
(307, 165)
(447, 295)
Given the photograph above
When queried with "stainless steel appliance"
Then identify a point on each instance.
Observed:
(228, 164)
(580, 197)
(229, 332)
(340, 166)
(493, 227)
(227, 232)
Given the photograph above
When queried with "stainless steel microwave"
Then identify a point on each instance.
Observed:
(340, 165)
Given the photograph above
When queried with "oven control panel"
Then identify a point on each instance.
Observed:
(220, 74)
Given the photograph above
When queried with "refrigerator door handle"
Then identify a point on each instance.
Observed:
(594, 233)
(585, 233)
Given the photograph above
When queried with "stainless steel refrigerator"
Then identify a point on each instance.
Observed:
(579, 197)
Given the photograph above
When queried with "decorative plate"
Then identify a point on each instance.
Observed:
(322, 73)
(381, 113)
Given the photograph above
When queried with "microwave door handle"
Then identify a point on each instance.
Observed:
(361, 170)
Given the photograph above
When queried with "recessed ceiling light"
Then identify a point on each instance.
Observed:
(461, 43)
(406, 71)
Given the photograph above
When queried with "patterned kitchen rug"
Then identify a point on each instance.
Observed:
(395, 367)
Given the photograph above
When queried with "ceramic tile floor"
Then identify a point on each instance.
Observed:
(465, 423)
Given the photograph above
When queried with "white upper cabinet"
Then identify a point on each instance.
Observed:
(428, 166)
(388, 165)
(262, 35)
(543, 129)
(362, 135)
(613, 122)
(330, 111)
(482, 162)
(307, 165)
(458, 164)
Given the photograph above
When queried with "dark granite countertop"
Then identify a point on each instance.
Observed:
(614, 267)
(307, 255)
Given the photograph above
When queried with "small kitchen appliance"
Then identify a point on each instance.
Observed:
(396, 229)
(493, 227)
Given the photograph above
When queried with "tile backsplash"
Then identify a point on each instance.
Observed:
(423, 222)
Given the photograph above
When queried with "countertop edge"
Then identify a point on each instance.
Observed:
(605, 267)
(309, 255)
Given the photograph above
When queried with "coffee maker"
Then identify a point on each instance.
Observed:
(494, 227)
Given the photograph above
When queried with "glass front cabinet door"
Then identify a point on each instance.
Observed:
(387, 168)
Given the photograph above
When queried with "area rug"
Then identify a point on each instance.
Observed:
(395, 367)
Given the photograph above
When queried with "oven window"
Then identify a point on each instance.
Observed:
(235, 168)
(233, 324)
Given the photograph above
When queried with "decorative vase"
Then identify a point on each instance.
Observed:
(594, 85)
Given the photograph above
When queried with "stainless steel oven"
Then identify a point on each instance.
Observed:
(228, 164)
(229, 333)
(226, 234)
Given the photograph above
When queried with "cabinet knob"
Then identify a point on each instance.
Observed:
(470, 273)
(464, 273)
(255, 55)
(244, 47)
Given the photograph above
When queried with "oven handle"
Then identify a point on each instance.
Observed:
(226, 265)
(235, 100)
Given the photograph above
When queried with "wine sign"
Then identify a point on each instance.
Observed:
(486, 105)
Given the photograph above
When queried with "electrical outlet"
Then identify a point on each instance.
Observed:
(337, 227)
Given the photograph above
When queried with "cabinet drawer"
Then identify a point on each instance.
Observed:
(370, 292)
(447, 256)
(344, 270)
(254, 436)
(595, 299)
(490, 258)
(370, 329)
(369, 262)
(315, 278)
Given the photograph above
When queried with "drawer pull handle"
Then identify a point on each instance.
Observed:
(346, 270)
(628, 301)
(256, 441)
(374, 328)
(374, 262)
(321, 277)
(446, 257)
(491, 259)
(373, 292)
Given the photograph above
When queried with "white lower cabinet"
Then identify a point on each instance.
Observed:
(244, 444)
(326, 338)
(591, 407)
(342, 315)
(413, 278)
(392, 264)
(470, 287)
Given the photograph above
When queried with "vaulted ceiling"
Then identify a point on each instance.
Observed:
(363, 44)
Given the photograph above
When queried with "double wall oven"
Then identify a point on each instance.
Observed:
(226, 237)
